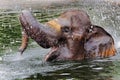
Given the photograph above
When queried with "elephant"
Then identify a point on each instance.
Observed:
(71, 36)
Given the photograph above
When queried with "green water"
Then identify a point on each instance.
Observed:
(31, 66)
(9, 30)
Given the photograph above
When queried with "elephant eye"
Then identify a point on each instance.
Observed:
(65, 29)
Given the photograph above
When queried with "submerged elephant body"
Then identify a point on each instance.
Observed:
(71, 36)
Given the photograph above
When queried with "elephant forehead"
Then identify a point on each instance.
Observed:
(64, 21)
(55, 25)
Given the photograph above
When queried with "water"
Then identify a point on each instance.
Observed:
(31, 66)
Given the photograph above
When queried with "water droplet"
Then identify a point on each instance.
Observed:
(0, 58)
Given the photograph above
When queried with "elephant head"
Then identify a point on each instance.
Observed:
(71, 36)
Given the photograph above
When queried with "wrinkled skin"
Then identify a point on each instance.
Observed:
(71, 36)
(45, 36)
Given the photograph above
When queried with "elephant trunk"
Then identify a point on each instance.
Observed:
(44, 35)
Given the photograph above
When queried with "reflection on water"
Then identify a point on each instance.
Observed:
(31, 65)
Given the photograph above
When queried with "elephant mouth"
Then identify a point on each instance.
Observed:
(53, 49)
(51, 55)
